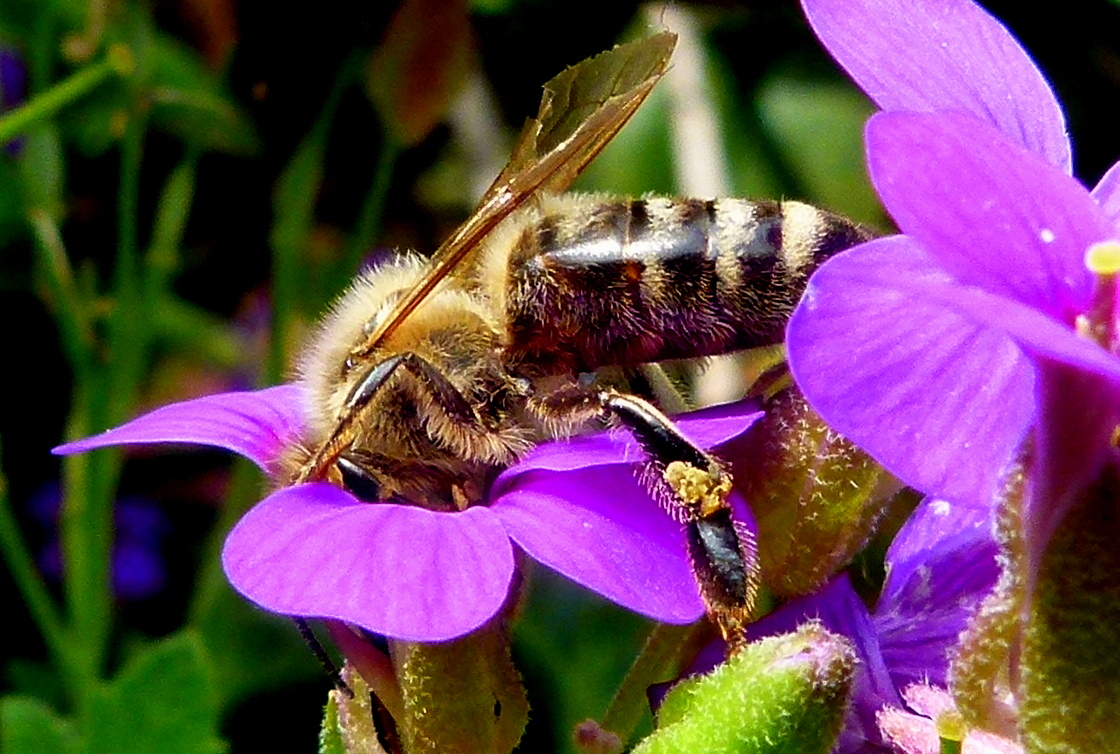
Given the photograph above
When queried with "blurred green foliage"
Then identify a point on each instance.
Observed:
(171, 222)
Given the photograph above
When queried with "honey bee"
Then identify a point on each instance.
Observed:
(430, 376)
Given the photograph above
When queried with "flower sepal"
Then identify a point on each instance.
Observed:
(816, 496)
(461, 696)
(779, 694)
(349, 725)
(1070, 688)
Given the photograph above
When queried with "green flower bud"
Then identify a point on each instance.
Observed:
(816, 496)
(781, 694)
(349, 725)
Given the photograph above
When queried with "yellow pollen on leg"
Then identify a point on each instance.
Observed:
(702, 492)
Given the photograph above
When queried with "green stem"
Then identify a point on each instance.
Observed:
(86, 481)
(661, 659)
(76, 661)
(172, 214)
(29, 582)
(87, 520)
(373, 207)
(67, 302)
(43, 106)
(129, 327)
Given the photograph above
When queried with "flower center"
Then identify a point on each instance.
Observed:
(1098, 324)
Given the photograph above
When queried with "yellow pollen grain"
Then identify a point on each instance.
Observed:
(700, 491)
(1103, 258)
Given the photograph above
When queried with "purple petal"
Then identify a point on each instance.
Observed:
(600, 528)
(991, 213)
(940, 401)
(932, 530)
(1107, 196)
(405, 572)
(1036, 333)
(944, 55)
(941, 566)
(258, 425)
(707, 428)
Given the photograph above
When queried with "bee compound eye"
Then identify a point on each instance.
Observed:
(357, 480)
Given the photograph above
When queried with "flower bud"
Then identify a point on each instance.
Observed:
(816, 496)
(786, 693)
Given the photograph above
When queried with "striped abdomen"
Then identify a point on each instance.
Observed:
(622, 282)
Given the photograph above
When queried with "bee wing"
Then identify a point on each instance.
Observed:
(581, 111)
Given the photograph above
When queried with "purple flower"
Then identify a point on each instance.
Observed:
(13, 87)
(314, 550)
(138, 570)
(940, 566)
(937, 350)
(916, 731)
(938, 55)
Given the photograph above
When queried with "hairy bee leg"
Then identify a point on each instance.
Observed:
(694, 488)
(724, 556)
(446, 395)
(321, 655)
(455, 407)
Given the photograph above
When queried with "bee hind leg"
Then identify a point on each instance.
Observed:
(694, 487)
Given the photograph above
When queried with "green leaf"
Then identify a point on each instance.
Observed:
(162, 701)
(182, 96)
(29, 726)
(189, 102)
(818, 127)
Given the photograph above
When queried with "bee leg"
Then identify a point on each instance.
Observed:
(446, 395)
(695, 486)
(427, 378)
(321, 655)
